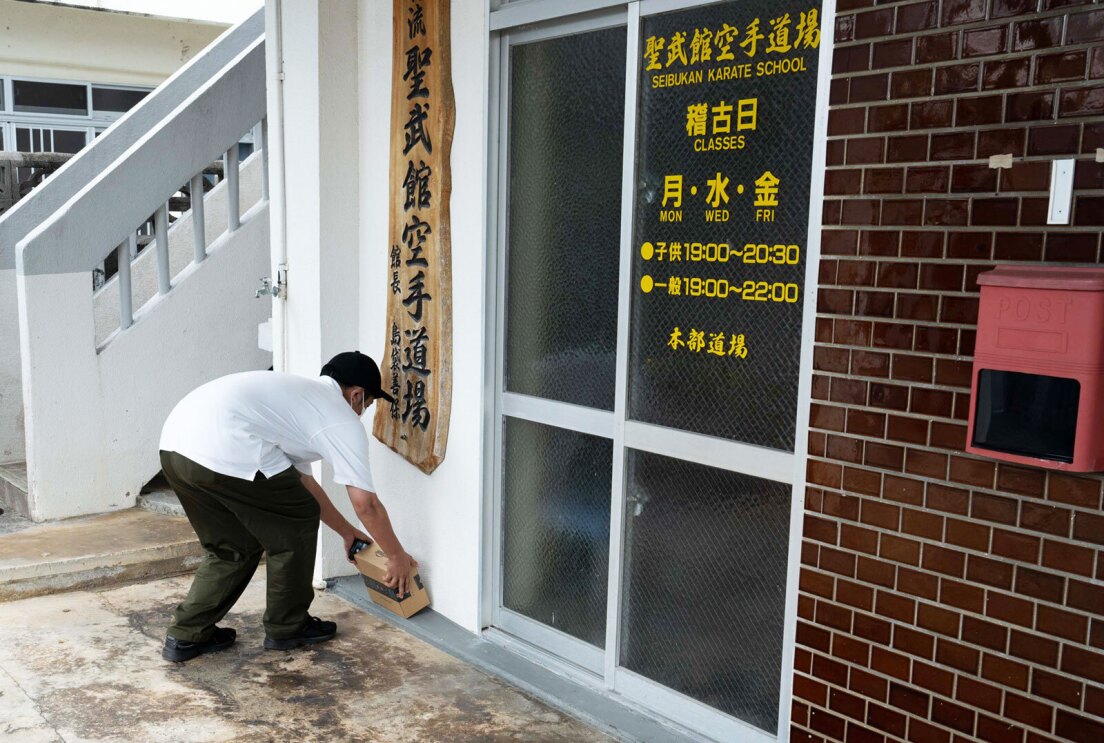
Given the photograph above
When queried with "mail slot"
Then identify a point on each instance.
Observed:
(1039, 368)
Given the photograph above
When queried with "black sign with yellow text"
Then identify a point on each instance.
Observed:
(726, 110)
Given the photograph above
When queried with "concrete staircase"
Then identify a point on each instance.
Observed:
(151, 541)
(13, 489)
(189, 295)
(158, 497)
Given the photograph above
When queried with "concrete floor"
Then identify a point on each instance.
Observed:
(92, 551)
(86, 666)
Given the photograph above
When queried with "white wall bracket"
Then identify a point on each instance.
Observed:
(1061, 192)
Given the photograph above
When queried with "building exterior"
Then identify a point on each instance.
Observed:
(66, 74)
(69, 72)
(945, 596)
(714, 301)
(940, 595)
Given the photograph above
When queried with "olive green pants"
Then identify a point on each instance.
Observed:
(236, 521)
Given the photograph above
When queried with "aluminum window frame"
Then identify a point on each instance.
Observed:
(111, 116)
(88, 130)
(593, 421)
(512, 23)
(93, 117)
(9, 93)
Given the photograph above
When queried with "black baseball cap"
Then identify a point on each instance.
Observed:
(354, 369)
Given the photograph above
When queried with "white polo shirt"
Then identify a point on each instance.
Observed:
(262, 421)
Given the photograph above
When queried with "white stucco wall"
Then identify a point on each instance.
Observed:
(321, 180)
(215, 11)
(11, 375)
(38, 40)
(91, 450)
(337, 52)
(438, 517)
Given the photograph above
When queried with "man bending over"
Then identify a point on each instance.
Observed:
(237, 451)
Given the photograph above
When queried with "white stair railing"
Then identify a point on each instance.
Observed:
(60, 187)
(94, 409)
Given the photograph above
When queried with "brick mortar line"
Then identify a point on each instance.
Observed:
(1094, 511)
(981, 489)
(1057, 87)
(1015, 56)
(947, 482)
(951, 228)
(974, 161)
(902, 196)
(867, 318)
(867, 407)
(984, 586)
(911, 354)
(951, 163)
(967, 551)
(887, 350)
(956, 672)
(875, 408)
(916, 627)
(943, 259)
(911, 384)
(897, 290)
(1024, 160)
(845, 346)
(1052, 229)
(979, 25)
(909, 717)
(942, 195)
(1017, 528)
(899, 3)
(977, 128)
(934, 696)
(947, 229)
(948, 293)
(1035, 601)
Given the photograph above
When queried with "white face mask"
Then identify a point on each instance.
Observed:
(365, 403)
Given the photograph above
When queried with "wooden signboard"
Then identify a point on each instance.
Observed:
(417, 365)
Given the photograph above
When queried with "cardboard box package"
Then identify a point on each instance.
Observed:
(372, 564)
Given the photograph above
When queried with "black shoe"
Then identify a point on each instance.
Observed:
(181, 650)
(314, 632)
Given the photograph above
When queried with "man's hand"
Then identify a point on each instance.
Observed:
(400, 571)
(351, 536)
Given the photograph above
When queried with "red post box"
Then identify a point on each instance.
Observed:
(1037, 394)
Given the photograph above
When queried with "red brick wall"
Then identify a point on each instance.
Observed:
(943, 596)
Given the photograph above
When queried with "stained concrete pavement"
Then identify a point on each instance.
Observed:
(91, 551)
(85, 666)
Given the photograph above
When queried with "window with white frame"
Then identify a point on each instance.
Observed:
(63, 116)
(653, 240)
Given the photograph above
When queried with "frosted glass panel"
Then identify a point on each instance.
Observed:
(556, 503)
(567, 107)
(705, 583)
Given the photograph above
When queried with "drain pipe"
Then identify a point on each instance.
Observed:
(277, 206)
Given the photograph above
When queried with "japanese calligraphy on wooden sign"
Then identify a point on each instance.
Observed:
(417, 365)
(725, 148)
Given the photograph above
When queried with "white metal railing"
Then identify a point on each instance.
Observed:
(63, 185)
(176, 328)
(127, 251)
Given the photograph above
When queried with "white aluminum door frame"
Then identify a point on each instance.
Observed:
(779, 466)
(596, 422)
